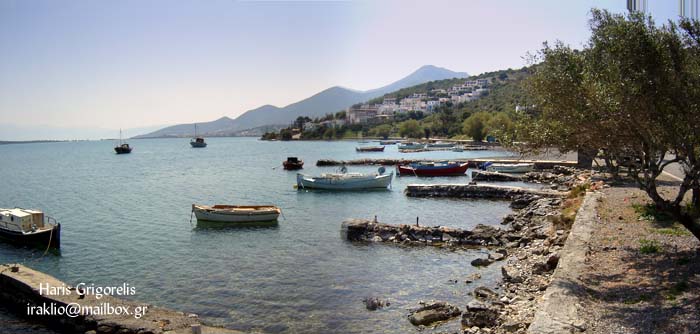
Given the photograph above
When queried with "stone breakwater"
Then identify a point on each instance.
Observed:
(475, 191)
(369, 231)
(20, 291)
(473, 163)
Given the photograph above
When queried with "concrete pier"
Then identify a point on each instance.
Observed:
(26, 291)
(475, 191)
(473, 163)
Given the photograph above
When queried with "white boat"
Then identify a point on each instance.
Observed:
(509, 168)
(458, 148)
(345, 181)
(441, 145)
(29, 227)
(411, 146)
(236, 213)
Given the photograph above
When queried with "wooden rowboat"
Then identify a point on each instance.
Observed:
(236, 213)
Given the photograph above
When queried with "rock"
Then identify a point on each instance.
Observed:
(511, 274)
(553, 261)
(498, 255)
(541, 268)
(480, 315)
(473, 277)
(376, 238)
(522, 201)
(374, 303)
(433, 312)
(104, 329)
(485, 293)
(481, 262)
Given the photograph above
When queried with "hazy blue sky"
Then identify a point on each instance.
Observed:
(111, 64)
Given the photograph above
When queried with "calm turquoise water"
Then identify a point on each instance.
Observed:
(126, 219)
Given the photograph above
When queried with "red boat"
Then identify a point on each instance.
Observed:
(433, 169)
(293, 163)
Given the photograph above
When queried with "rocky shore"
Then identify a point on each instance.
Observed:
(527, 248)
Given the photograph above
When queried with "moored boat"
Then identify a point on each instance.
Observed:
(122, 147)
(30, 228)
(458, 148)
(293, 163)
(369, 149)
(440, 145)
(388, 142)
(345, 181)
(236, 213)
(197, 142)
(411, 146)
(433, 169)
(508, 168)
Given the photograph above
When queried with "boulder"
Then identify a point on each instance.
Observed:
(374, 303)
(481, 262)
(480, 315)
(433, 312)
(511, 275)
(485, 293)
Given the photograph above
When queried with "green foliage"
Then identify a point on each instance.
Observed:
(476, 126)
(649, 246)
(631, 92)
(677, 290)
(383, 131)
(579, 190)
(410, 129)
(286, 134)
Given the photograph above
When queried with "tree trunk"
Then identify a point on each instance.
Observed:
(585, 158)
(692, 224)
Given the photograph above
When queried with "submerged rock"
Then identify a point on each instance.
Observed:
(433, 312)
(375, 303)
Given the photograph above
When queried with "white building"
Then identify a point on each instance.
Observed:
(361, 114)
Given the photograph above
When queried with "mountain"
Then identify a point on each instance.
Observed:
(331, 100)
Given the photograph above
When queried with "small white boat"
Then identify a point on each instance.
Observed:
(508, 168)
(440, 145)
(411, 146)
(345, 181)
(236, 213)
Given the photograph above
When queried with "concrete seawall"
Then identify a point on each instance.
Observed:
(557, 312)
(20, 291)
(475, 191)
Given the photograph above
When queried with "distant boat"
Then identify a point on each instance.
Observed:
(197, 141)
(433, 169)
(369, 149)
(30, 228)
(508, 168)
(293, 163)
(236, 213)
(122, 148)
(388, 142)
(411, 146)
(440, 145)
(345, 180)
(458, 148)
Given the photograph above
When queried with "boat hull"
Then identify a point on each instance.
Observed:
(369, 182)
(449, 170)
(293, 165)
(198, 145)
(40, 239)
(123, 150)
(370, 149)
(235, 217)
(504, 168)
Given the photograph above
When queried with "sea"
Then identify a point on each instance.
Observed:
(126, 219)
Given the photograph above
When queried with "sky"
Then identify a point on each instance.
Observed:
(86, 67)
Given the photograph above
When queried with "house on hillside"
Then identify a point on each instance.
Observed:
(362, 114)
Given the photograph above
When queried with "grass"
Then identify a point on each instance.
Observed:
(677, 231)
(579, 190)
(677, 290)
(650, 213)
(649, 246)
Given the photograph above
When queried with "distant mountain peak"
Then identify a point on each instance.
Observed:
(327, 101)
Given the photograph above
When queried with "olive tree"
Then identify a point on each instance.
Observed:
(632, 92)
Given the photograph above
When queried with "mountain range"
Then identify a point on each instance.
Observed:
(331, 100)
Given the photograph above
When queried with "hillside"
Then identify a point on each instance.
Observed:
(327, 101)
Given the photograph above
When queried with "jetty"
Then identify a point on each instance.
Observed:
(485, 191)
(473, 163)
(26, 291)
(370, 231)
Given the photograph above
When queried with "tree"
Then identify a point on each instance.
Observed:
(500, 126)
(632, 93)
(476, 125)
(286, 134)
(383, 131)
(410, 128)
